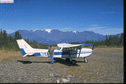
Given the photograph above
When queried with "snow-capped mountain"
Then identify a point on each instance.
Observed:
(54, 36)
(74, 31)
(48, 30)
(36, 30)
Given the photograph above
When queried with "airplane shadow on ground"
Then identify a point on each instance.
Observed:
(56, 60)
(29, 62)
(62, 61)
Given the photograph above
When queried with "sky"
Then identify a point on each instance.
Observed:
(100, 16)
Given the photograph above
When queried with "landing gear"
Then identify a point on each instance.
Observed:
(73, 62)
(85, 60)
(68, 59)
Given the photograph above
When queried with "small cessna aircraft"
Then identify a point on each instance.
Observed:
(65, 50)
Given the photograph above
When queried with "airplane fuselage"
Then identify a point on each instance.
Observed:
(58, 53)
(65, 50)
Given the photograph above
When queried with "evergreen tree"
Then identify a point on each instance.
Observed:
(10, 39)
(27, 40)
(107, 41)
(121, 39)
(34, 42)
(1, 37)
(115, 40)
(17, 35)
(5, 38)
(110, 37)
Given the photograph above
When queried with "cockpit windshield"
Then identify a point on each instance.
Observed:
(58, 48)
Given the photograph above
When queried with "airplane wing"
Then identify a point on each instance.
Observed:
(72, 45)
(88, 44)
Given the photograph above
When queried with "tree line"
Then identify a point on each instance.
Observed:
(8, 42)
(34, 44)
(112, 41)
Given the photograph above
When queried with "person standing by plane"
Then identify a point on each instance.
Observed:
(50, 54)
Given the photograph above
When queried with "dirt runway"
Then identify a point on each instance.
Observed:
(104, 66)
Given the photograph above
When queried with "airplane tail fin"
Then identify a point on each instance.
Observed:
(24, 47)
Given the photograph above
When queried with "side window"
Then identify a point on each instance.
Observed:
(72, 49)
(58, 48)
(64, 49)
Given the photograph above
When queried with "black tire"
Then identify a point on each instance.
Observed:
(68, 59)
(73, 62)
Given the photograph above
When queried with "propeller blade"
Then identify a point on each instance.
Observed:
(93, 47)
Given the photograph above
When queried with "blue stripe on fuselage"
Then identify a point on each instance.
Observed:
(22, 51)
(37, 54)
(57, 53)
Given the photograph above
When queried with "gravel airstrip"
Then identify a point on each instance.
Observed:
(104, 66)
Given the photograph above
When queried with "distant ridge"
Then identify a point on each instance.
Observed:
(54, 36)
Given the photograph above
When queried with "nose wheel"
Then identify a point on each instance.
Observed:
(71, 61)
(85, 60)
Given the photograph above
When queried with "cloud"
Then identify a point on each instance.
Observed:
(9, 31)
(105, 30)
(93, 25)
(95, 28)
(107, 12)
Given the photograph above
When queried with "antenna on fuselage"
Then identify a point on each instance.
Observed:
(66, 42)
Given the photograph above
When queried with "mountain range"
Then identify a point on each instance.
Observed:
(54, 36)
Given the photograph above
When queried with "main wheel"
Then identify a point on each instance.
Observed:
(67, 59)
(73, 62)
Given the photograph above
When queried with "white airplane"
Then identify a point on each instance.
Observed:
(66, 50)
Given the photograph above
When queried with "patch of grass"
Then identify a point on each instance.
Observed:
(102, 46)
(5, 55)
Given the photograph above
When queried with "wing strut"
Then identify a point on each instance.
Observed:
(79, 51)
